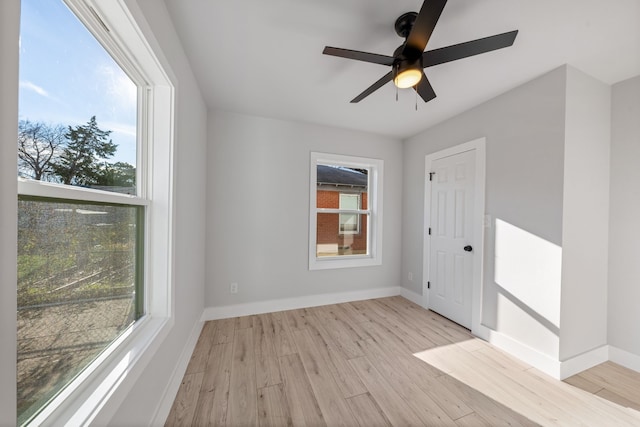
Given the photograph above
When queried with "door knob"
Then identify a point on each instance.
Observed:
(468, 248)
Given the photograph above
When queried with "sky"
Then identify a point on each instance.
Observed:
(66, 76)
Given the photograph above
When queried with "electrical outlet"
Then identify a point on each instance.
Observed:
(410, 276)
(233, 288)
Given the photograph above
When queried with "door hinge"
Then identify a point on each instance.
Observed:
(428, 285)
(429, 231)
(431, 176)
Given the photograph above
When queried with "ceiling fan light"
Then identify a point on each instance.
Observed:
(408, 78)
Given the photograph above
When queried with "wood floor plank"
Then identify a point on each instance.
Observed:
(473, 420)
(579, 403)
(297, 319)
(422, 338)
(420, 321)
(267, 365)
(242, 409)
(301, 400)
(367, 412)
(354, 313)
(381, 331)
(348, 381)
(420, 402)
(616, 398)
(184, 406)
(584, 384)
(438, 329)
(388, 363)
(394, 407)
(498, 359)
(200, 354)
(464, 367)
(283, 341)
(224, 331)
(493, 412)
(273, 410)
(319, 371)
(341, 320)
(243, 322)
(621, 381)
(452, 331)
(212, 402)
(343, 337)
(383, 362)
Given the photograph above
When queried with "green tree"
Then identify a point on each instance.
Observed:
(119, 174)
(87, 145)
(38, 146)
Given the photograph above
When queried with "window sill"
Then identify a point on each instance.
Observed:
(327, 263)
(95, 395)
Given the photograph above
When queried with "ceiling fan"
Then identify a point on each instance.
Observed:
(409, 59)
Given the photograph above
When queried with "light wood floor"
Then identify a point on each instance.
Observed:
(377, 363)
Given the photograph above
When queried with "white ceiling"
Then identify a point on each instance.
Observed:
(264, 57)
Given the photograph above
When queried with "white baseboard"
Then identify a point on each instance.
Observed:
(224, 312)
(545, 363)
(584, 361)
(624, 358)
(170, 392)
(414, 297)
(529, 355)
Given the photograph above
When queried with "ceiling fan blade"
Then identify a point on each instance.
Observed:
(424, 89)
(423, 27)
(466, 49)
(377, 85)
(359, 56)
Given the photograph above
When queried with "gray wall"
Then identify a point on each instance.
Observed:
(585, 234)
(189, 190)
(524, 130)
(624, 250)
(258, 209)
(9, 31)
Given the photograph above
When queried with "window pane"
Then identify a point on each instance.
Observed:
(77, 283)
(335, 183)
(349, 223)
(77, 107)
(331, 242)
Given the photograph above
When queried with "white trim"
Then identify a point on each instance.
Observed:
(624, 358)
(170, 392)
(28, 187)
(479, 145)
(375, 220)
(270, 306)
(583, 361)
(529, 355)
(543, 362)
(414, 297)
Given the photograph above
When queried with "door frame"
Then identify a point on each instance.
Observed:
(479, 145)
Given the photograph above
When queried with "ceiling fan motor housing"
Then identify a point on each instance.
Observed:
(404, 24)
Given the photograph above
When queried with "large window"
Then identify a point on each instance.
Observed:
(89, 236)
(345, 211)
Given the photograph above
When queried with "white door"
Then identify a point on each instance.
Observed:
(451, 240)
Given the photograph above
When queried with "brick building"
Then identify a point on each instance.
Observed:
(341, 233)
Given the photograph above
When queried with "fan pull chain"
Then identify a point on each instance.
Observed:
(416, 91)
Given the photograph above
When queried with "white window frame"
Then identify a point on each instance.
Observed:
(96, 393)
(358, 196)
(374, 211)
